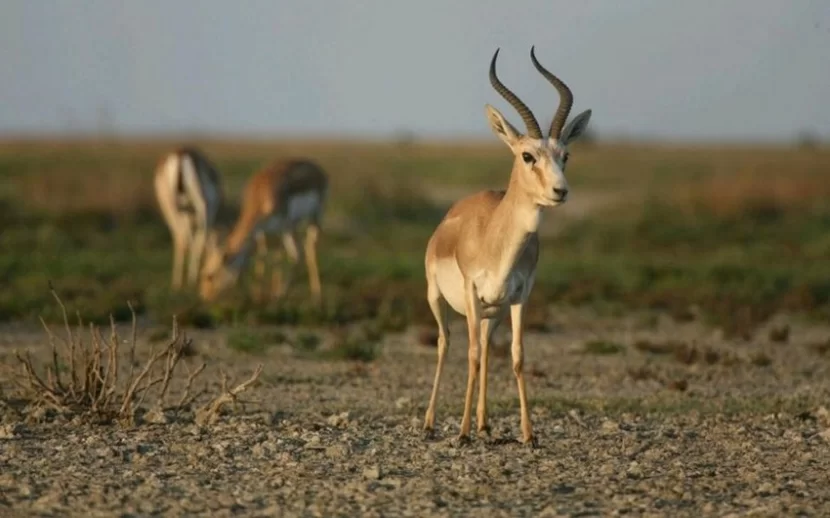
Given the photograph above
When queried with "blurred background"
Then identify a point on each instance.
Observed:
(700, 190)
(741, 70)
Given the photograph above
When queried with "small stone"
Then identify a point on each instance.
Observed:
(258, 451)
(825, 435)
(609, 427)
(338, 420)
(106, 451)
(766, 489)
(156, 416)
(558, 430)
(10, 431)
(793, 436)
(402, 402)
(372, 473)
(337, 451)
(313, 442)
(634, 470)
(222, 447)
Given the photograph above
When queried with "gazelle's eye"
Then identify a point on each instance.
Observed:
(528, 158)
(565, 158)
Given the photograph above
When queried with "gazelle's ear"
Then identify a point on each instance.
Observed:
(576, 127)
(501, 127)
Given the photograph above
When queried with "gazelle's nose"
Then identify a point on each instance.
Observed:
(561, 193)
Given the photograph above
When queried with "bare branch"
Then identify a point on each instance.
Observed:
(186, 399)
(210, 412)
(132, 341)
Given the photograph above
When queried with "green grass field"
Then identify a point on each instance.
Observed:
(733, 234)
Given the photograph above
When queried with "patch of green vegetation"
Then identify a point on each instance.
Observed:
(253, 341)
(353, 349)
(739, 256)
(306, 342)
(602, 347)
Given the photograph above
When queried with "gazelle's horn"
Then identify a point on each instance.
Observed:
(533, 129)
(566, 98)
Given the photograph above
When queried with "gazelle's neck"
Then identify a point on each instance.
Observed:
(240, 240)
(514, 220)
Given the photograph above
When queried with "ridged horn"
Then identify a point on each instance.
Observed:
(533, 129)
(566, 98)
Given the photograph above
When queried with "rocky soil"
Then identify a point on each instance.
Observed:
(639, 416)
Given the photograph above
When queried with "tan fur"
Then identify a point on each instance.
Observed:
(189, 196)
(481, 259)
(266, 209)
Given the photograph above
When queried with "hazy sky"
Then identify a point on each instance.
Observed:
(746, 69)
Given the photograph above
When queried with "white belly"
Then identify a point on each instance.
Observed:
(451, 284)
(496, 295)
(303, 206)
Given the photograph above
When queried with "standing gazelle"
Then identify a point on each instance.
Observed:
(276, 200)
(189, 193)
(482, 257)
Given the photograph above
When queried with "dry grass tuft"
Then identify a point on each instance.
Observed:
(85, 377)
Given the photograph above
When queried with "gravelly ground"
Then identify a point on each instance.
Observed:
(719, 428)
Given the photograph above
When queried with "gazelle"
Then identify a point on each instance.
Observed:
(189, 192)
(481, 259)
(276, 200)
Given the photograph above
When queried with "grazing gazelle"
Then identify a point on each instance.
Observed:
(481, 260)
(189, 193)
(276, 200)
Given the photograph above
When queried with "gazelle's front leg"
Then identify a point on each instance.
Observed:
(473, 310)
(488, 329)
(310, 245)
(517, 349)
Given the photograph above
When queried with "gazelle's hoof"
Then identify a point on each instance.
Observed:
(463, 440)
(484, 431)
(531, 442)
(428, 433)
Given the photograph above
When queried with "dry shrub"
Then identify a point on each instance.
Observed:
(85, 377)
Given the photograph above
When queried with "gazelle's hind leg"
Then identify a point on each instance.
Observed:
(517, 349)
(258, 289)
(279, 281)
(310, 246)
(440, 310)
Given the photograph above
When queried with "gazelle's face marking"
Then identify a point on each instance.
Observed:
(540, 165)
